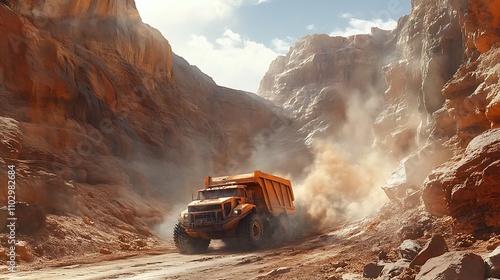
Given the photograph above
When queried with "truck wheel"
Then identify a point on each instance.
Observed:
(251, 231)
(187, 244)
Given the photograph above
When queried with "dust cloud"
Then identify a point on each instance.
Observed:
(165, 229)
(344, 181)
(339, 187)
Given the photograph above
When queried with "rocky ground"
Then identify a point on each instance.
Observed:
(421, 247)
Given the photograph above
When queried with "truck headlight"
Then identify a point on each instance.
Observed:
(186, 216)
(237, 212)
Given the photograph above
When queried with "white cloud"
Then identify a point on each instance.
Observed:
(192, 26)
(195, 11)
(361, 26)
(231, 60)
(229, 39)
(225, 8)
(281, 46)
(310, 27)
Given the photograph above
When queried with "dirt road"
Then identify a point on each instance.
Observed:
(316, 257)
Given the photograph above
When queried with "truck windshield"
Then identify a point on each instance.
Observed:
(208, 194)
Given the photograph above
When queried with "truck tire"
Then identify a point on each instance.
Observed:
(187, 244)
(250, 232)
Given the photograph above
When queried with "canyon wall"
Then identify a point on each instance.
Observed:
(429, 90)
(321, 75)
(454, 85)
(107, 128)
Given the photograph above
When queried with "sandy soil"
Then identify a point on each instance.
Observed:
(336, 253)
(314, 257)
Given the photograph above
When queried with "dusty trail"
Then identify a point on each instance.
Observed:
(307, 258)
(334, 254)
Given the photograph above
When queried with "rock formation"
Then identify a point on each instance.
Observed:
(439, 81)
(104, 123)
(321, 75)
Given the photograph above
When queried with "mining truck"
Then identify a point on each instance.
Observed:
(249, 207)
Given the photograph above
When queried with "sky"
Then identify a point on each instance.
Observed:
(234, 41)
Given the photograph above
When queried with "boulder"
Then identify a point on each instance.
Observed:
(372, 270)
(453, 265)
(435, 247)
(392, 270)
(466, 188)
(493, 264)
(412, 172)
(409, 249)
(413, 231)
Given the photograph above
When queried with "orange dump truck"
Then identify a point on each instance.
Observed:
(250, 207)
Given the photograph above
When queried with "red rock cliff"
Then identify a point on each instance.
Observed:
(440, 84)
(103, 122)
(321, 76)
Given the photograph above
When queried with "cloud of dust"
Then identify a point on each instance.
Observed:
(165, 229)
(345, 179)
(175, 186)
(339, 187)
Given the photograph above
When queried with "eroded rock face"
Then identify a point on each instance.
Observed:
(467, 188)
(98, 24)
(481, 26)
(322, 60)
(445, 89)
(431, 44)
(414, 169)
(473, 96)
(322, 76)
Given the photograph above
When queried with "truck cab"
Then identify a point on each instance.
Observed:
(216, 210)
(243, 206)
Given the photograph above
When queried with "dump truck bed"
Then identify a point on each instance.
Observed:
(274, 192)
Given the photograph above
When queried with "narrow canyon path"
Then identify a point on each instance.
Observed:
(314, 257)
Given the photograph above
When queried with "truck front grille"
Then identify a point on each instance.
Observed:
(203, 208)
(205, 217)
